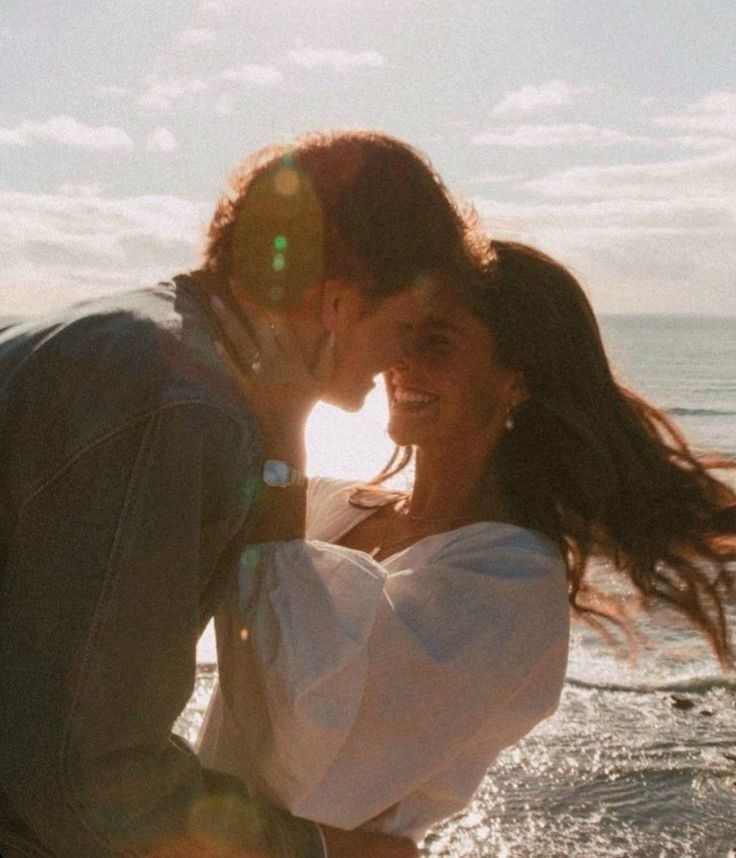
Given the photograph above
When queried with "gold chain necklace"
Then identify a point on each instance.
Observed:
(397, 508)
(402, 509)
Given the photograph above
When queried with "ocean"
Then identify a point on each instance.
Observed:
(639, 761)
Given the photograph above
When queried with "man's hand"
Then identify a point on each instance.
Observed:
(196, 848)
(268, 364)
(367, 844)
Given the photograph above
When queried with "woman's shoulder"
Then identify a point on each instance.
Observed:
(328, 496)
(323, 491)
(329, 511)
(488, 589)
(494, 547)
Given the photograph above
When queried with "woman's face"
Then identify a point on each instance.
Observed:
(449, 389)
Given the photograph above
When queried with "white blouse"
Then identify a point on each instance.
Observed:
(358, 693)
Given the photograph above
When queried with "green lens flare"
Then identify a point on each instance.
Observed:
(279, 262)
(280, 242)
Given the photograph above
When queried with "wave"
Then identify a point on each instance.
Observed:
(699, 412)
(693, 685)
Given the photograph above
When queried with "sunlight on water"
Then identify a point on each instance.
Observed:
(613, 774)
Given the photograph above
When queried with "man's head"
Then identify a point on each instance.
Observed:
(328, 228)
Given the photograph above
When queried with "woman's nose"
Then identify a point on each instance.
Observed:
(403, 356)
(407, 351)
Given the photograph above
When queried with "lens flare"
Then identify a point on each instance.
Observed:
(286, 182)
(278, 241)
(221, 820)
(249, 561)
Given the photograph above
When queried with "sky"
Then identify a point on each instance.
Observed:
(604, 132)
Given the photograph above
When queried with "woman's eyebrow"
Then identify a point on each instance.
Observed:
(440, 323)
(432, 322)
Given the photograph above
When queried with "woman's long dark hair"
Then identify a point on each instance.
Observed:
(594, 466)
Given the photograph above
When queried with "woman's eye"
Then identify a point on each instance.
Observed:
(434, 342)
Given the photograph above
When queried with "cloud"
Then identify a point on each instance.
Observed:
(707, 177)
(93, 189)
(631, 255)
(161, 140)
(493, 179)
(60, 247)
(217, 7)
(336, 59)
(225, 105)
(614, 216)
(162, 93)
(713, 114)
(196, 37)
(62, 217)
(695, 141)
(252, 73)
(546, 96)
(654, 237)
(17, 136)
(111, 91)
(569, 134)
(67, 131)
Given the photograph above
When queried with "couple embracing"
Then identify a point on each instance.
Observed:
(377, 648)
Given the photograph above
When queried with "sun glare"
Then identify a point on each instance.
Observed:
(351, 446)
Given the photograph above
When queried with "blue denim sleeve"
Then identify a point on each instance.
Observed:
(115, 563)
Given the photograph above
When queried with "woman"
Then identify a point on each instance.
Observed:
(372, 681)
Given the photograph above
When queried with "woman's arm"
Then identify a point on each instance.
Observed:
(392, 688)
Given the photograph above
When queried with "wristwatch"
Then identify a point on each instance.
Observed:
(281, 475)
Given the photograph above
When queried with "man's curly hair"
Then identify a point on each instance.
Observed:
(357, 204)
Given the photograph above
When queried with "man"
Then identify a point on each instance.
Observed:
(129, 468)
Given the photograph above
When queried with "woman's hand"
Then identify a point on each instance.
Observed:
(269, 366)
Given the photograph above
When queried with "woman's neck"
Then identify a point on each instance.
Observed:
(454, 483)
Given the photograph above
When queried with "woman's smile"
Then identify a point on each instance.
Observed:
(411, 398)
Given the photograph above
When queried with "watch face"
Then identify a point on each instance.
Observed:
(276, 473)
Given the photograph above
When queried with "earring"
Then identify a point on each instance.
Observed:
(509, 422)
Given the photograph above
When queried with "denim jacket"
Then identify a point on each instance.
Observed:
(128, 467)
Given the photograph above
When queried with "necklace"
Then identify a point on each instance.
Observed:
(399, 512)
(382, 544)
(402, 509)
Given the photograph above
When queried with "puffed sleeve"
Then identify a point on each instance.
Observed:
(392, 688)
(467, 655)
(293, 654)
